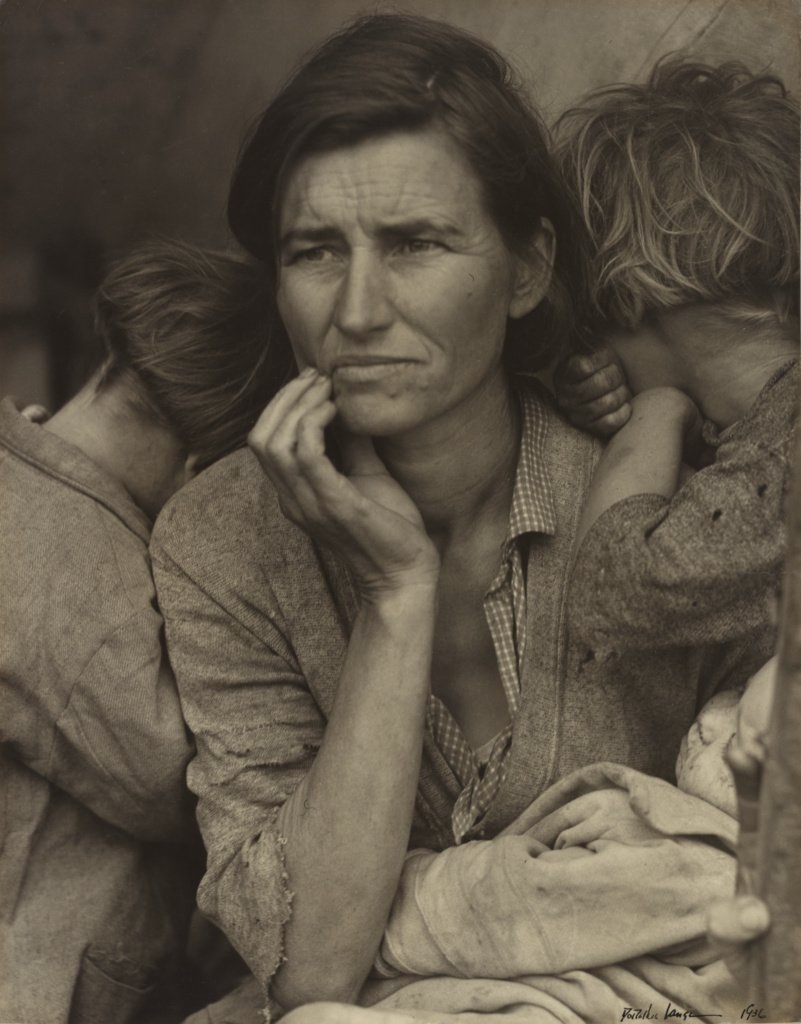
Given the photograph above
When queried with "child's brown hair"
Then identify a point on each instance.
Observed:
(191, 333)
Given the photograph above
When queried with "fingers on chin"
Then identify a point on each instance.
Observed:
(291, 402)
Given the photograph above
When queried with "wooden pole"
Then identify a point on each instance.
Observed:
(775, 960)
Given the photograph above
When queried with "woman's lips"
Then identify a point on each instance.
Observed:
(368, 370)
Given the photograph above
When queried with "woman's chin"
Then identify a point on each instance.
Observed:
(375, 416)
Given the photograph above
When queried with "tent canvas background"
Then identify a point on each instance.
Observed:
(123, 119)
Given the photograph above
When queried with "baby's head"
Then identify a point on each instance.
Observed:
(729, 717)
(690, 190)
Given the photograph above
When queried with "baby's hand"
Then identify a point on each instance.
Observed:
(593, 393)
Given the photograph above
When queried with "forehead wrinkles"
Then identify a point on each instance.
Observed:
(398, 182)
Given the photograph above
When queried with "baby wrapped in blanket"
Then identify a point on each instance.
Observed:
(592, 901)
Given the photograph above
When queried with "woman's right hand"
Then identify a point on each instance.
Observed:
(363, 514)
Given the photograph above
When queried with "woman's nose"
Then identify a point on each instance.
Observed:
(363, 303)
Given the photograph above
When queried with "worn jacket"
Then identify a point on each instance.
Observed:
(95, 878)
(258, 619)
(706, 564)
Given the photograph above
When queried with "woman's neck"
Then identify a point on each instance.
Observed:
(134, 449)
(460, 469)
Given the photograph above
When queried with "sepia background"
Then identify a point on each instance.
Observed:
(121, 119)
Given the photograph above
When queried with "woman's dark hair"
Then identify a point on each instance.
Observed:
(191, 335)
(394, 72)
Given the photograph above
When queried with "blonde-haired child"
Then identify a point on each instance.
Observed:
(689, 188)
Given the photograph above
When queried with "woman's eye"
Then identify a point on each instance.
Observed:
(418, 245)
(315, 255)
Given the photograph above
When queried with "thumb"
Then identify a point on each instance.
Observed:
(734, 922)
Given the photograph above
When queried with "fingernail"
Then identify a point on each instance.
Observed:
(308, 372)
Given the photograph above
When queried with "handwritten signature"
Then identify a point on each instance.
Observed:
(750, 1013)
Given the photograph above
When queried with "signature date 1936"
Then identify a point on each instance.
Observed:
(750, 1013)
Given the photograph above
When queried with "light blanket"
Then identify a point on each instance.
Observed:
(592, 903)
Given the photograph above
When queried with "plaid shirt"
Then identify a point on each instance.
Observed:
(532, 511)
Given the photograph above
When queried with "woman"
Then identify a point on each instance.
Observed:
(368, 631)
(98, 837)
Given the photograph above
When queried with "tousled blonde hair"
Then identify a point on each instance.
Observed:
(689, 187)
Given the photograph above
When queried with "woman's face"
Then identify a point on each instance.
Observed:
(395, 281)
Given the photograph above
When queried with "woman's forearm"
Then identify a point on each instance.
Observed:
(347, 825)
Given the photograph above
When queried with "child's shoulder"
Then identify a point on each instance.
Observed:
(773, 416)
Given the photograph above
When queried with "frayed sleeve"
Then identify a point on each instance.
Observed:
(257, 729)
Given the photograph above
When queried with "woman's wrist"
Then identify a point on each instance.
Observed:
(409, 596)
(402, 586)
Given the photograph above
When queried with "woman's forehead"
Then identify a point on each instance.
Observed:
(393, 176)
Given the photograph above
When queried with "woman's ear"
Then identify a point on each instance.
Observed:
(533, 271)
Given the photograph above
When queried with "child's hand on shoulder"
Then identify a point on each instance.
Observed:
(592, 391)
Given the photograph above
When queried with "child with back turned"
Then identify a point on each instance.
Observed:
(98, 827)
(689, 187)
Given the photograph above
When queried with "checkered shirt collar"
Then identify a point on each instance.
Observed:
(532, 498)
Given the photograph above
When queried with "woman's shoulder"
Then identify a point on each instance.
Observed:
(229, 512)
(235, 487)
(560, 441)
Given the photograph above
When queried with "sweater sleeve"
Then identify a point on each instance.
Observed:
(702, 568)
(257, 729)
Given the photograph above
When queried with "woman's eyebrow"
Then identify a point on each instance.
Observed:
(421, 226)
(308, 235)
(407, 228)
